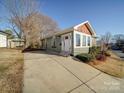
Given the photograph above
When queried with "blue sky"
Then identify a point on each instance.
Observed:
(104, 15)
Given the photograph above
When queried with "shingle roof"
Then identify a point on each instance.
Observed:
(60, 32)
(72, 29)
(3, 33)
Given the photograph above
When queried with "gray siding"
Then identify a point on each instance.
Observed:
(72, 43)
(80, 50)
(58, 43)
(57, 48)
(76, 51)
(50, 46)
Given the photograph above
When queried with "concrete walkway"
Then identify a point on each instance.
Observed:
(47, 73)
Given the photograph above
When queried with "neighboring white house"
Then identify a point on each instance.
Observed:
(3, 39)
(10, 43)
(15, 43)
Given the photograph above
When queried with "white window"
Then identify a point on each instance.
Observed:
(88, 41)
(83, 40)
(78, 39)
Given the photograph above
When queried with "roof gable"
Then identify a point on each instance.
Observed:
(85, 27)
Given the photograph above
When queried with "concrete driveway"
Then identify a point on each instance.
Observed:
(47, 73)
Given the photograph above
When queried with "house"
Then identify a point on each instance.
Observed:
(75, 40)
(15, 43)
(3, 39)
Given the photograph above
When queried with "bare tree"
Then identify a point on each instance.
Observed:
(35, 26)
(14, 29)
(105, 40)
(26, 17)
(19, 9)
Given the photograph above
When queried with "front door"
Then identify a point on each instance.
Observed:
(66, 43)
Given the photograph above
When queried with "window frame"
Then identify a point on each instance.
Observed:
(84, 41)
(88, 41)
(53, 42)
(79, 40)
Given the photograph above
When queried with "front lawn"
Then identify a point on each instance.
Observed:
(112, 66)
(11, 71)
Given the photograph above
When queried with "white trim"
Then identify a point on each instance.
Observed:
(64, 45)
(90, 41)
(76, 40)
(75, 27)
(81, 45)
(85, 40)
(92, 28)
(86, 22)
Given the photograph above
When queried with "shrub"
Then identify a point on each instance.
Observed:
(107, 54)
(94, 51)
(101, 57)
(85, 57)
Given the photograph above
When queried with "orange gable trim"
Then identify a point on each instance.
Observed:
(84, 28)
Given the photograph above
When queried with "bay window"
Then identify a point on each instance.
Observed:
(82, 40)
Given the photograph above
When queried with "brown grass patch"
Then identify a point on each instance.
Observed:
(11, 71)
(112, 66)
